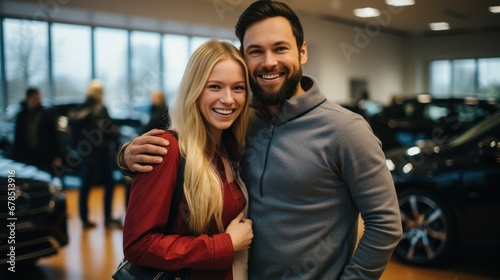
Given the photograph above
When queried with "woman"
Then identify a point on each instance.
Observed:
(210, 117)
(95, 139)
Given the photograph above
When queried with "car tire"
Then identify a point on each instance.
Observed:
(429, 234)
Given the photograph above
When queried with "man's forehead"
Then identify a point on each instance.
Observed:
(271, 31)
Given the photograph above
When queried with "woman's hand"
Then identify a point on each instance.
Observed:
(240, 230)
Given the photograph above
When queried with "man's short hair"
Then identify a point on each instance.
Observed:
(31, 91)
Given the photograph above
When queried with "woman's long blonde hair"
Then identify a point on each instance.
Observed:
(202, 184)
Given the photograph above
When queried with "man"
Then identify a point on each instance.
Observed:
(35, 139)
(311, 166)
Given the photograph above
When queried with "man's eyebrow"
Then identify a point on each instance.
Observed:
(252, 46)
(279, 43)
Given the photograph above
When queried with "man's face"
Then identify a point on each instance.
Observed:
(34, 100)
(274, 61)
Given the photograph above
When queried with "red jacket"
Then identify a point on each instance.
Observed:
(207, 256)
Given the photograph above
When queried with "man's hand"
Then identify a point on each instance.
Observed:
(145, 151)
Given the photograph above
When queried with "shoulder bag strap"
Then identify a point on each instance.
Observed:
(176, 198)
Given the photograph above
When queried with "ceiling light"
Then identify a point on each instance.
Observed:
(366, 12)
(495, 9)
(400, 3)
(438, 26)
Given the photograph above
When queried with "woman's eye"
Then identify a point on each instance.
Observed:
(213, 86)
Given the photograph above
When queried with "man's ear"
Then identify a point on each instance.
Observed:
(303, 53)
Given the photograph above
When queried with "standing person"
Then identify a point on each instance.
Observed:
(211, 119)
(94, 135)
(158, 117)
(36, 139)
(311, 166)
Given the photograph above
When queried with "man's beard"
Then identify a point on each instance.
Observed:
(281, 95)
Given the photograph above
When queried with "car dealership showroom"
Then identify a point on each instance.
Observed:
(416, 81)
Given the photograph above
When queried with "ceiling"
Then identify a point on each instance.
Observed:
(464, 16)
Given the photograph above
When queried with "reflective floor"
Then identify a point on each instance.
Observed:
(94, 253)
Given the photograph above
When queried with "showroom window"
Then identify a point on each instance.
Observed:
(62, 58)
(465, 77)
(26, 59)
(3, 91)
(176, 56)
(71, 61)
(145, 65)
(196, 42)
(489, 77)
(111, 66)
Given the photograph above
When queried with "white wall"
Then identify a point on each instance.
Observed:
(338, 53)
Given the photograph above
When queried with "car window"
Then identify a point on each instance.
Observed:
(479, 129)
(436, 112)
(471, 113)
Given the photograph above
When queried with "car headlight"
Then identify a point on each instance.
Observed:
(390, 164)
(407, 168)
(413, 151)
(55, 187)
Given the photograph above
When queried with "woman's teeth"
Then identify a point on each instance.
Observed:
(223, 112)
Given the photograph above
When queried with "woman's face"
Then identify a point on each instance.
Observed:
(223, 96)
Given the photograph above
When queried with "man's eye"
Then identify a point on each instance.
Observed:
(255, 52)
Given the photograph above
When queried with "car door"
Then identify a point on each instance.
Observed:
(481, 182)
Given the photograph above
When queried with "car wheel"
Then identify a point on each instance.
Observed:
(428, 230)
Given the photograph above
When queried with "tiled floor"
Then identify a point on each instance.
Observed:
(93, 254)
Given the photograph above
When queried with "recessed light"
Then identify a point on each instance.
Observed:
(400, 3)
(438, 26)
(495, 9)
(366, 12)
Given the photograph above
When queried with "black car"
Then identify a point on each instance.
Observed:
(33, 216)
(422, 117)
(448, 193)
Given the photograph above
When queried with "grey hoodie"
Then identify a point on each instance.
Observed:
(310, 172)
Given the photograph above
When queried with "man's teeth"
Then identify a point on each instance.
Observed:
(273, 76)
(223, 112)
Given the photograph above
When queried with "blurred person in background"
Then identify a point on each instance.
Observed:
(36, 140)
(95, 139)
(159, 117)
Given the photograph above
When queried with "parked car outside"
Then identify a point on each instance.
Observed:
(33, 217)
(448, 193)
(424, 117)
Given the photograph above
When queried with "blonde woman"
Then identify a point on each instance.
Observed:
(94, 134)
(210, 118)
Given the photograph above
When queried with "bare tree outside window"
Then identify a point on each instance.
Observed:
(26, 58)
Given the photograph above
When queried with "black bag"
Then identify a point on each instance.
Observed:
(129, 271)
